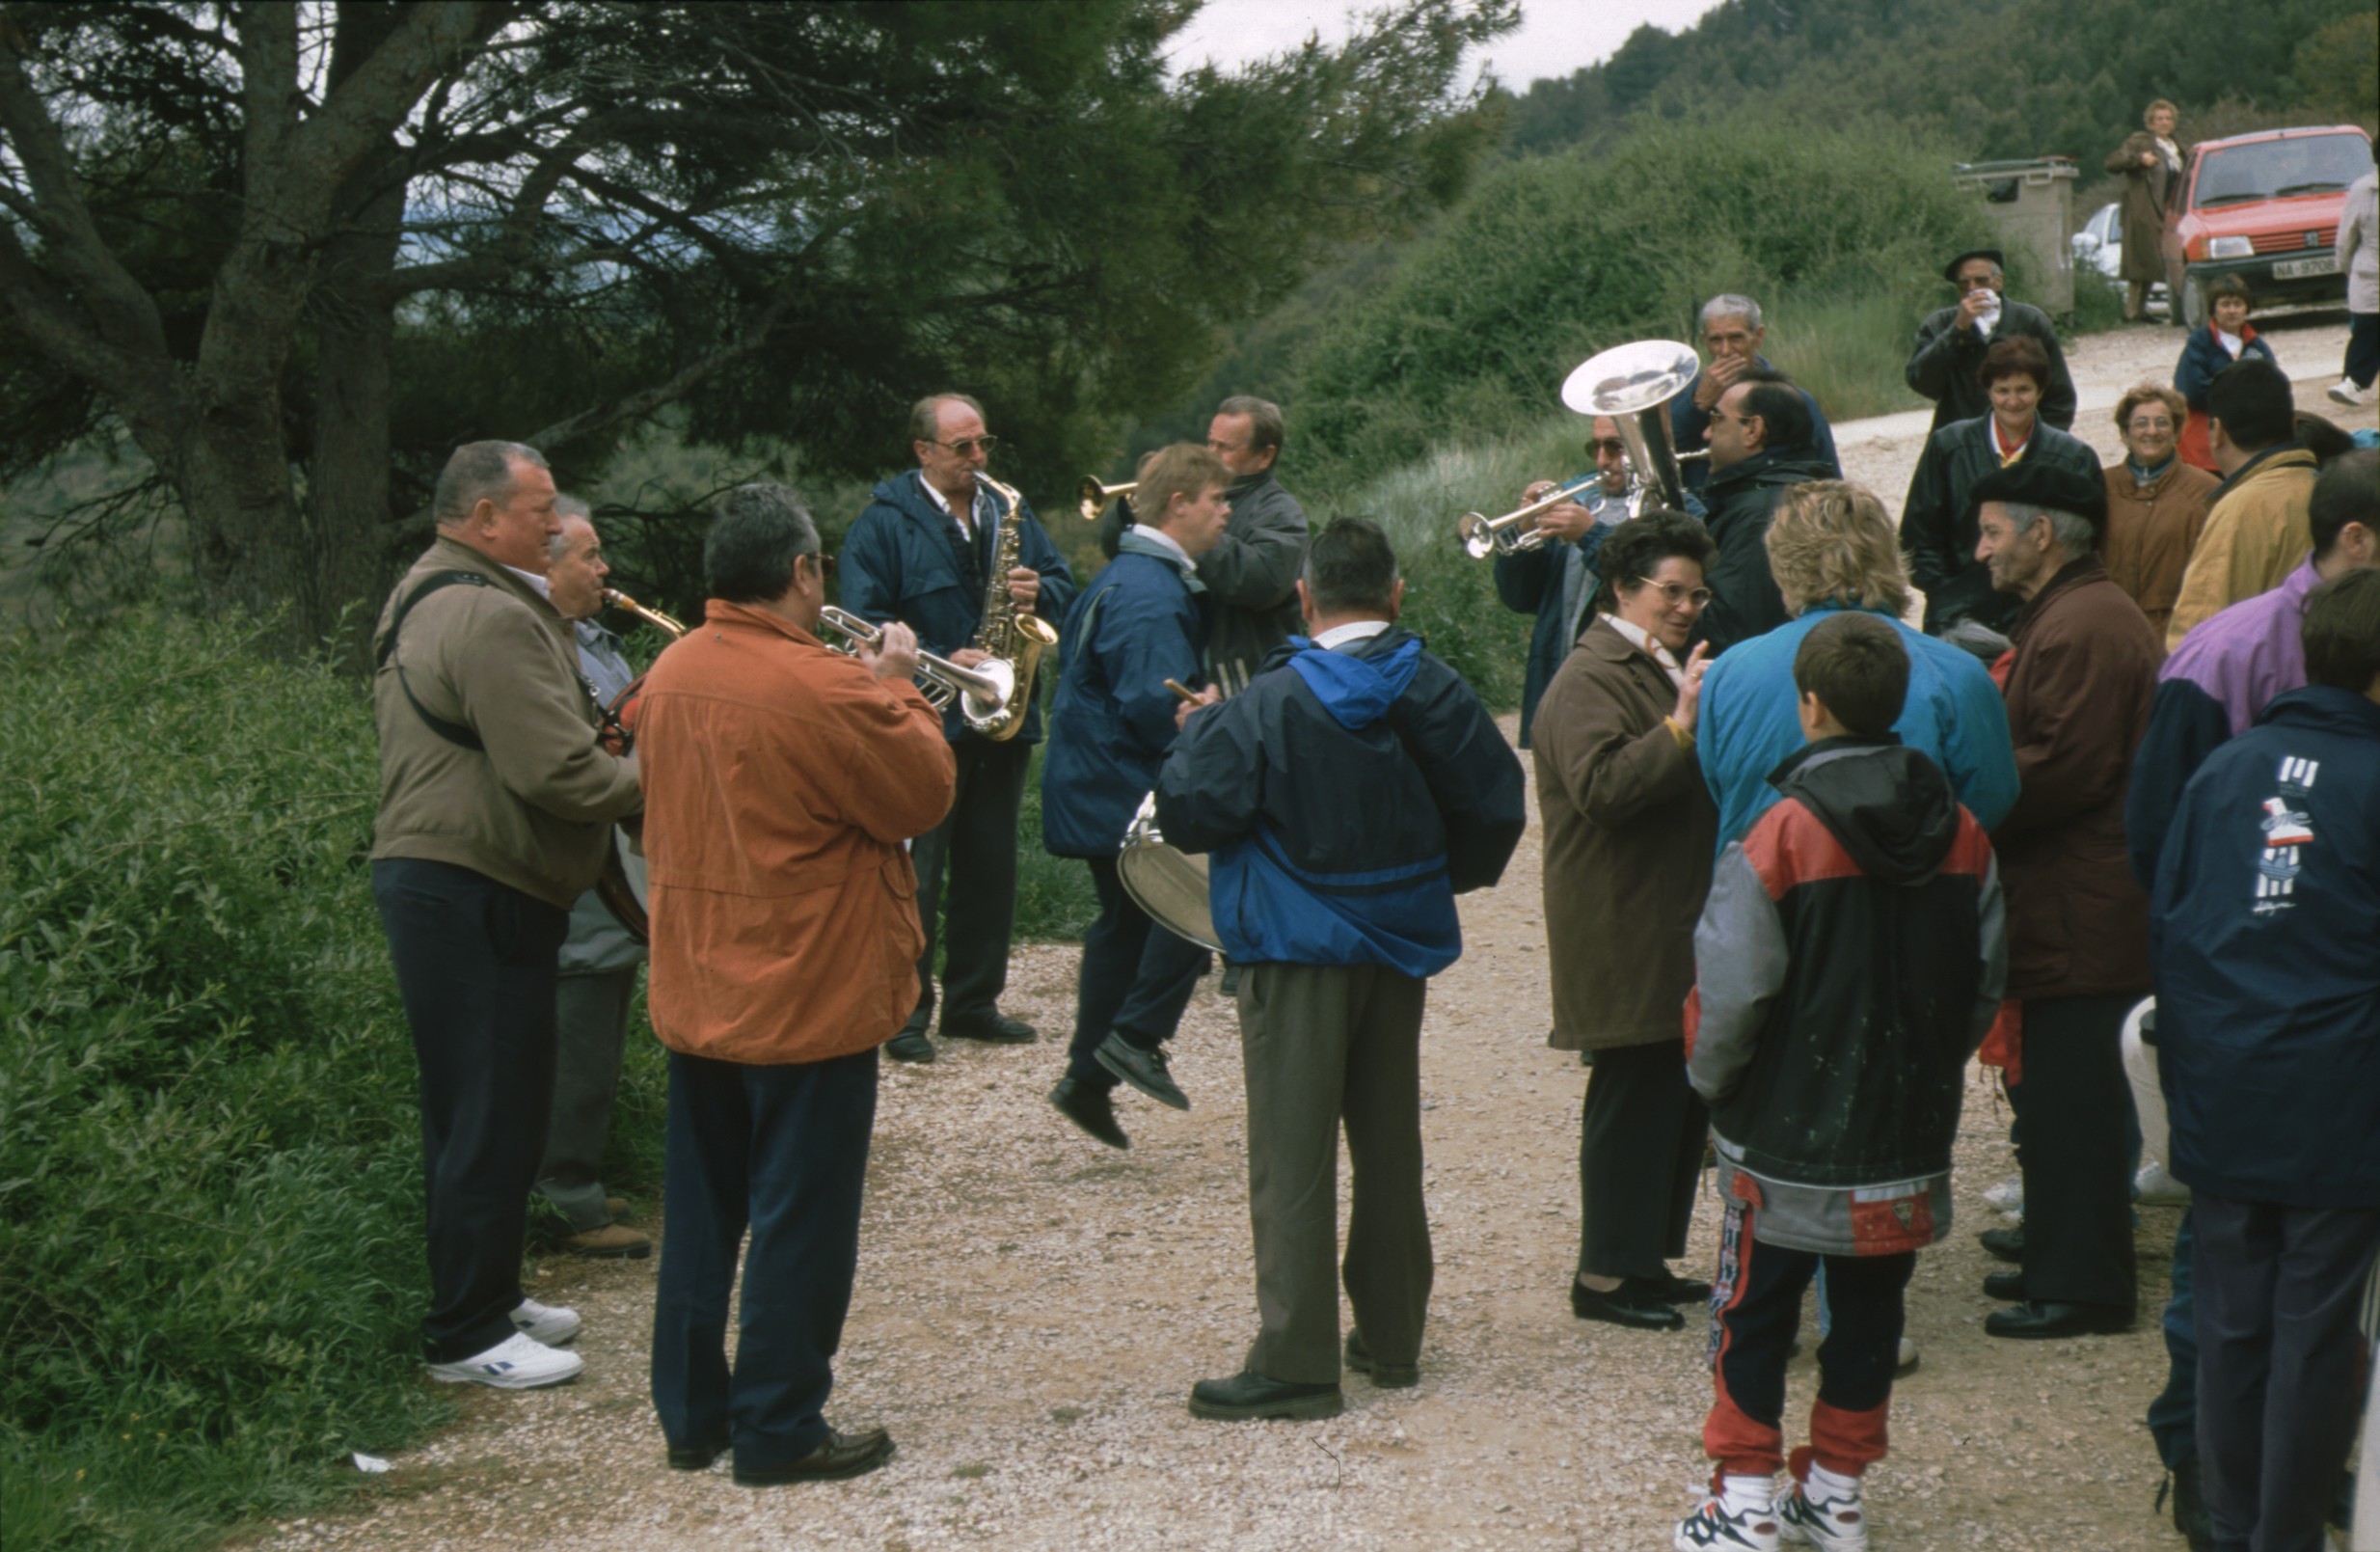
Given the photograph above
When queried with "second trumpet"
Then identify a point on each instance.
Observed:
(982, 691)
(1483, 536)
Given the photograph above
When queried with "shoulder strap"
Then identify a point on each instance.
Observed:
(452, 732)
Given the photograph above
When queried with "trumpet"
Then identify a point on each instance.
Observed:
(1483, 536)
(651, 616)
(982, 691)
(1095, 496)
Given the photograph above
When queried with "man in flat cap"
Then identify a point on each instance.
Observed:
(1951, 345)
(2081, 677)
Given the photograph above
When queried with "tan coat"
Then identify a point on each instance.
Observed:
(1629, 831)
(2152, 530)
(2146, 190)
(783, 779)
(2255, 535)
(532, 808)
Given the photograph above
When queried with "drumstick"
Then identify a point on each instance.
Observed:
(1183, 691)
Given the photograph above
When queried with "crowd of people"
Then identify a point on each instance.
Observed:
(1803, 860)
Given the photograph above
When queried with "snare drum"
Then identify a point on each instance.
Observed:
(1170, 886)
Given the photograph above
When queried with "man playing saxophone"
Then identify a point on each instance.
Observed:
(922, 553)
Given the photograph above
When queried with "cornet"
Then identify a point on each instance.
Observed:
(1095, 496)
(1483, 536)
(982, 691)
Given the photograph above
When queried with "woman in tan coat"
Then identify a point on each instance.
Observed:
(2156, 503)
(1629, 834)
(2150, 163)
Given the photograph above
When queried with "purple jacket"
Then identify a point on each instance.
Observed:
(2212, 689)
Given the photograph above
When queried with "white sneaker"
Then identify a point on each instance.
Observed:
(515, 1363)
(2346, 393)
(1905, 1360)
(2152, 1186)
(1836, 1524)
(2008, 1196)
(548, 1324)
(1709, 1525)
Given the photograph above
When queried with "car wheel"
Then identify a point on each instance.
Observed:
(2194, 301)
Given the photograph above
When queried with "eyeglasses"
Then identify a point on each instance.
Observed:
(1672, 594)
(2161, 423)
(825, 564)
(966, 446)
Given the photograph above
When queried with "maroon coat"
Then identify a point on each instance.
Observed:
(2079, 683)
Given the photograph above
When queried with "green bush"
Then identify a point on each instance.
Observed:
(211, 1255)
(1553, 259)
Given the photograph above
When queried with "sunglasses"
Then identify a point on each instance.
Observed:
(966, 446)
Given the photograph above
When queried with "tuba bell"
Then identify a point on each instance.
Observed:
(1631, 385)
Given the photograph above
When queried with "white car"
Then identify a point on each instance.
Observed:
(2099, 246)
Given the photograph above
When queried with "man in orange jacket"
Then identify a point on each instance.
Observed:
(785, 942)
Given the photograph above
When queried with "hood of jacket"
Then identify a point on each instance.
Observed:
(1356, 689)
(1889, 806)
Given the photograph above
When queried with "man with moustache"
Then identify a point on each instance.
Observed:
(1732, 331)
(497, 802)
(1555, 582)
(1760, 449)
(1951, 343)
(919, 554)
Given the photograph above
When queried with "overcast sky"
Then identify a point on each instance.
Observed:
(1555, 37)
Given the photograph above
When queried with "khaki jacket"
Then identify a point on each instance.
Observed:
(534, 808)
(783, 779)
(1629, 834)
(2152, 530)
(2255, 535)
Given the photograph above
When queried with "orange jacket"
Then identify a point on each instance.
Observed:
(781, 779)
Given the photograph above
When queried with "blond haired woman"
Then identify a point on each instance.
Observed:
(1831, 549)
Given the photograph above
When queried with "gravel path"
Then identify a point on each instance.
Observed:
(1033, 1308)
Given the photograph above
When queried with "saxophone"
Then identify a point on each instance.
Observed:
(1006, 633)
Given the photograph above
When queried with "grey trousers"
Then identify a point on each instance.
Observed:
(1322, 1045)
(591, 1033)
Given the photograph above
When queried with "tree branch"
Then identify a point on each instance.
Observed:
(646, 400)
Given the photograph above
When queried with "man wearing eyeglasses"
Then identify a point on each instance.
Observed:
(1951, 343)
(919, 554)
(1556, 580)
(1760, 449)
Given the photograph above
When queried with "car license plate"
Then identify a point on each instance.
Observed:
(2293, 269)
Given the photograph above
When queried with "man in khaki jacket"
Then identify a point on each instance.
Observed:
(496, 807)
(2256, 531)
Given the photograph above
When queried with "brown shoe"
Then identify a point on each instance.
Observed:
(843, 1454)
(615, 1208)
(611, 1242)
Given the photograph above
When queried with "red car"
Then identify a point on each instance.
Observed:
(2265, 207)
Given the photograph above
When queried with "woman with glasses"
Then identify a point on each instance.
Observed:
(1629, 831)
(2156, 503)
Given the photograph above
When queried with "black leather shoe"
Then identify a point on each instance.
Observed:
(1624, 1306)
(843, 1454)
(1247, 1396)
(910, 1046)
(1385, 1375)
(2004, 1244)
(2036, 1319)
(996, 1030)
(1671, 1288)
(1143, 1070)
(696, 1456)
(2008, 1287)
(1094, 1110)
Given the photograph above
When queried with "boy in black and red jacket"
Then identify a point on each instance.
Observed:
(1849, 962)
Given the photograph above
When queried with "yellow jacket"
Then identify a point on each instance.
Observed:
(2255, 536)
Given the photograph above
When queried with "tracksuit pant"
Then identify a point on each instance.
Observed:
(1755, 1310)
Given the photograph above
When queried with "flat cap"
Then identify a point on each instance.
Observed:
(1950, 271)
(2030, 482)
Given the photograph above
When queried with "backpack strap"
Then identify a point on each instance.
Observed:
(452, 732)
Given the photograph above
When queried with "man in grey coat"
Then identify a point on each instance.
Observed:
(599, 959)
(1951, 345)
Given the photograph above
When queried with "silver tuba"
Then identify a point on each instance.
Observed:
(1632, 386)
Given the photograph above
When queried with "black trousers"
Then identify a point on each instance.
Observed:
(475, 967)
(1640, 1154)
(2077, 1156)
(1136, 978)
(966, 865)
(2280, 1363)
(591, 1036)
(783, 1150)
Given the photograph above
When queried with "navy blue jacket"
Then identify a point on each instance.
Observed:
(1347, 798)
(1136, 626)
(1740, 500)
(2203, 359)
(2264, 932)
(902, 560)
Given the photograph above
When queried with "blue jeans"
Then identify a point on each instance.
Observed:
(784, 1150)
